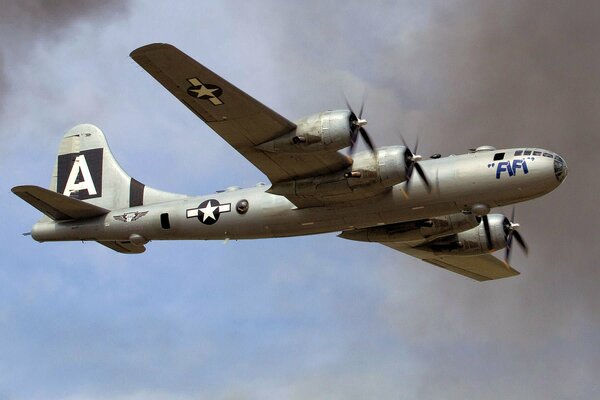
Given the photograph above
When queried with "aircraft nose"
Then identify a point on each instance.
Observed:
(560, 168)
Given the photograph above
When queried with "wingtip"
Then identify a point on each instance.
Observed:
(149, 48)
(509, 268)
(22, 188)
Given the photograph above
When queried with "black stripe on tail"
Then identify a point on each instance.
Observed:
(136, 193)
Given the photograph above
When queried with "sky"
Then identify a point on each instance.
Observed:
(313, 317)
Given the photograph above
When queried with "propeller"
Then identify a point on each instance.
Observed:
(357, 127)
(488, 234)
(411, 163)
(510, 230)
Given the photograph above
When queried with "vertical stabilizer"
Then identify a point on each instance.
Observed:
(86, 170)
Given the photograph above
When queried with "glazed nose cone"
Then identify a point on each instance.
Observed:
(560, 168)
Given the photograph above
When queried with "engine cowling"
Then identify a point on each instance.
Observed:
(473, 241)
(369, 174)
(325, 131)
(386, 168)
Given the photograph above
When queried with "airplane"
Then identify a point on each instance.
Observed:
(435, 209)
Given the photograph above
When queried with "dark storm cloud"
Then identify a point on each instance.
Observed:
(516, 73)
(507, 70)
(25, 24)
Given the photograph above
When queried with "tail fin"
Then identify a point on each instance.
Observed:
(86, 170)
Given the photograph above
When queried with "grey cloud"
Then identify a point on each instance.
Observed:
(26, 24)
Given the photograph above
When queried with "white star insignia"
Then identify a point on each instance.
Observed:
(208, 211)
(202, 92)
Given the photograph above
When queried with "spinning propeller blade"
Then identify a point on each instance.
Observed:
(357, 127)
(510, 230)
(488, 234)
(411, 163)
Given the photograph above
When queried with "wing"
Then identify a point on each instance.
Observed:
(484, 267)
(238, 118)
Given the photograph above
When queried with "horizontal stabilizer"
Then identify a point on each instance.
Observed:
(57, 206)
(124, 247)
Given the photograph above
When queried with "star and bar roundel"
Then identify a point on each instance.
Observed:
(208, 211)
(205, 91)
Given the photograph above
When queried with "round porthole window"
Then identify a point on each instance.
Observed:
(242, 206)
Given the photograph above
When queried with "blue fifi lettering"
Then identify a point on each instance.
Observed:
(511, 168)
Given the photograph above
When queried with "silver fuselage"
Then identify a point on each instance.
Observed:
(459, 182)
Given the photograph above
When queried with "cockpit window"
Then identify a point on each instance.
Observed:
(498, 156)
(537, 153)
(548, 155)
(518, 152)
(527, 152)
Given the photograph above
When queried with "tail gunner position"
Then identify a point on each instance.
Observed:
(435, 209)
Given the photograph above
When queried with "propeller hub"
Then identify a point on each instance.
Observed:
(356, 129)
(411, 163)
(360, 122)
(510, 230)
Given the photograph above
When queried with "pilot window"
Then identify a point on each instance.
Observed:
(498, 156)
(548, 155)
(518, 152)
(537, 153)
(527, 152)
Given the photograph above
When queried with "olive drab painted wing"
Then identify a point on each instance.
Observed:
(482, 267)
(241, 120)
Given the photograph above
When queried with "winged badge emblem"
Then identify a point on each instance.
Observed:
(130, 216)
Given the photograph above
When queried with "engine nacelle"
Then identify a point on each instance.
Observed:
(369, 174)
(414, 230)
(385, 168)
(471, 242)
(326, 131)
